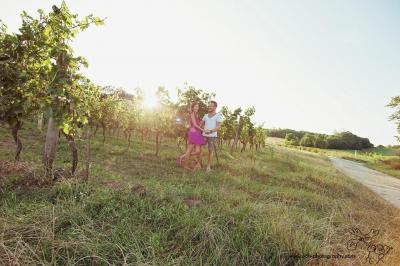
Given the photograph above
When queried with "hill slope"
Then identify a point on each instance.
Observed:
(270, 207)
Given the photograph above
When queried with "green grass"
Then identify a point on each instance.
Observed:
(383, 159)
(254, 209)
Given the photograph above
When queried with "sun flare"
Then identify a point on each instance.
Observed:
(150, 101)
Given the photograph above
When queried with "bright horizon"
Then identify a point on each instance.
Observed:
(318, 66)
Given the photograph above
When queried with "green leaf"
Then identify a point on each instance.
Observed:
(65, 128)
(98, 21)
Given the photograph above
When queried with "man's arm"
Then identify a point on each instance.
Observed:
(217, 127)
(219, 121)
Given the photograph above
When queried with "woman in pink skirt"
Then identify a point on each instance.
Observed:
(195, 139)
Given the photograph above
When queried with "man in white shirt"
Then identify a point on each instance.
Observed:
(211, 122)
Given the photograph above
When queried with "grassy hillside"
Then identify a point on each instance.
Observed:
(254, 209)
(383, 159)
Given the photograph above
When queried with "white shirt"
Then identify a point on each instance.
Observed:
(211, 123)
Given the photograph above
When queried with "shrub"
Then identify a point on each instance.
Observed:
(307, 140)
(320, 142)
(341, 140)
(291, 139)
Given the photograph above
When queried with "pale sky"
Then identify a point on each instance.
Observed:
(307, 65)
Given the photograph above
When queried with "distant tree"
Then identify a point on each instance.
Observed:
(307, 140)
(229, 124)
(130, 117)
(281, 133)
(108, 111)
(259, 138)
(366, 144)
(291, 139)
(162, 117)
(339, 140)
(395, 104)
(320, 142)
(248, 131)
(347, 140)
(334, 142)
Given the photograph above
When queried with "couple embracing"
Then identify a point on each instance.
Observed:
(202, 131)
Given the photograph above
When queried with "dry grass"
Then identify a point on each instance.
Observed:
(138, 209)
(393, 163)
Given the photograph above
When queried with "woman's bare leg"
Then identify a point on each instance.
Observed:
(186, 156)
(188, 151)
(199, 154)
(196, 152)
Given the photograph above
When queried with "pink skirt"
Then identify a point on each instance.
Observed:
(195, 137)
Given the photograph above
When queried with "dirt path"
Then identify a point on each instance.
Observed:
(384, 185)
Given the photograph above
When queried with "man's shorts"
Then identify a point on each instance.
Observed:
(210, 142)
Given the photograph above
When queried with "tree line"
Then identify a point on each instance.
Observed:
(339, 140)
(41, 81)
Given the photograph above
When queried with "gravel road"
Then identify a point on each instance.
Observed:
(386, 186)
